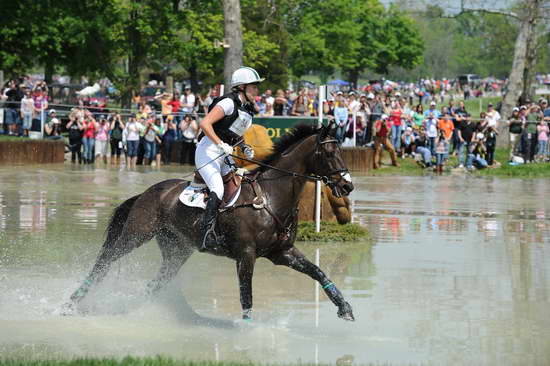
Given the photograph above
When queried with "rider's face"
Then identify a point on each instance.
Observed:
(252, 91)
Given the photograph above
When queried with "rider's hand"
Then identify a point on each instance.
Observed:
(224, 148)
(248, 151)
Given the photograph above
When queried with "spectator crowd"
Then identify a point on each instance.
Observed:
(384, 115)
(431, 135)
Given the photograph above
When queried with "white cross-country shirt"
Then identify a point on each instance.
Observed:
(228, 105)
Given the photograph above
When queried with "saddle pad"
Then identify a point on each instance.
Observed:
(194, 197)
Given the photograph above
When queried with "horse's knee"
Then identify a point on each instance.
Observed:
(279, 258)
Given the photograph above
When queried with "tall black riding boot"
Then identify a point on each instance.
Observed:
(210, 240)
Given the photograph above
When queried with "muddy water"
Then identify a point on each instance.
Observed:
(457, 273)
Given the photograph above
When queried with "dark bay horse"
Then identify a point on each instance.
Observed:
(250, 232)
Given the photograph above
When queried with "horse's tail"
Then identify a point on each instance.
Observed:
(118, 219)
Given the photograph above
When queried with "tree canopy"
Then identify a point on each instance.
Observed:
(283, 39)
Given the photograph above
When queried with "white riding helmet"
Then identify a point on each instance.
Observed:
(245, 75)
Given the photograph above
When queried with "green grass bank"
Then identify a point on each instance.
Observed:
(131, 361)
(331, 232)
(13, 138)
(128, 361)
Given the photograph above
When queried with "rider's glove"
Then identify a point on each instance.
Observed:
(248, 151)
(225, 149)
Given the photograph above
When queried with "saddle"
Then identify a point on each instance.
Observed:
(231, 186)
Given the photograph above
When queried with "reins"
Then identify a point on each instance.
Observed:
(205, 164)
(288, 172)
(312, 177)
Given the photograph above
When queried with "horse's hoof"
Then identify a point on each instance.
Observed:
(346, 312)
(247, 315)
(68, 309)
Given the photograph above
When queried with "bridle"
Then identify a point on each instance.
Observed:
(328, 179)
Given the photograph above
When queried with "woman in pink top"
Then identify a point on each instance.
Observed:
(101, 139)
(543, 130)
(397, 126)
(40, 104)
(88, 139)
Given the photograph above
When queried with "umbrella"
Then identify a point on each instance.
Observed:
(338, 82)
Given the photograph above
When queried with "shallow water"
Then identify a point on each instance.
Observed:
(457, 273)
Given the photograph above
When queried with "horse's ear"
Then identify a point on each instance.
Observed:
(331, 129)
(324, 132)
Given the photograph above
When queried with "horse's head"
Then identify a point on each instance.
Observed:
(329, 164)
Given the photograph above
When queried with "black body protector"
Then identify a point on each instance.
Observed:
(230, 129)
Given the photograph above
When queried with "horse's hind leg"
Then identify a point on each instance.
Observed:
(174, 254)
(132, 236)
(294, 259)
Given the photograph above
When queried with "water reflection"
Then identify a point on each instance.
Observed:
(392, 223)
(457, 273)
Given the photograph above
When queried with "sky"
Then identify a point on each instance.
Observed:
(453, 6)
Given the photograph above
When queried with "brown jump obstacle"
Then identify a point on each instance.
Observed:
(31, 152)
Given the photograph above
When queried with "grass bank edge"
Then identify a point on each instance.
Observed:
(332, 232)
(134, 361)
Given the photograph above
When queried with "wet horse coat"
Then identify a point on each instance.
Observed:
(305, 153)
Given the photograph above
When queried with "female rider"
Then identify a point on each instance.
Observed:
(228, 118)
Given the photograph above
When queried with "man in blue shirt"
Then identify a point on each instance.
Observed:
(432, 111)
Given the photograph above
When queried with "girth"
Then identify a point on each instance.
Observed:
(260, 202)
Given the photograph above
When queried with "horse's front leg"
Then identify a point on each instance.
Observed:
(294, 259)
(245, 270)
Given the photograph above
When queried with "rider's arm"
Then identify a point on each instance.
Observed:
(216, 114)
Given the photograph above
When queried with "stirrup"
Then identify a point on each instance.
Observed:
(212, 243)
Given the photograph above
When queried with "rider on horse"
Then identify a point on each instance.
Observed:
(229, 116)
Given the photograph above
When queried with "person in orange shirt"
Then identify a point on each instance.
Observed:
(446, 124)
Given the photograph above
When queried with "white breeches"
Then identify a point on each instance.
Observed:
(213, 167)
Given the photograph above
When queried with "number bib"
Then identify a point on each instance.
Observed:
(242, 123)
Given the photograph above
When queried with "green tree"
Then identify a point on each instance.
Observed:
(484, 44)
(352, 36)
(147, 37)
(203, 61)
(266, 18)
(325, 36)
(74, 36)
(480, 43)
(389, 39)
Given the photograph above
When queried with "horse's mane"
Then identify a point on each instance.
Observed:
(296, 134)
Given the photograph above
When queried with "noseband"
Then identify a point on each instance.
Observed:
(327, 179)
